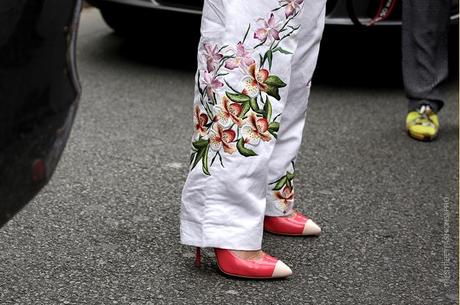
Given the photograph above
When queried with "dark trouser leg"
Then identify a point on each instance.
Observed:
(424, 51)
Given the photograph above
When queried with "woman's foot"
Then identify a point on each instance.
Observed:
(248, 255)
(295, 224)
(250, 264)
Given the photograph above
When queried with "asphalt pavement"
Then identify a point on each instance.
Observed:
(106, 229)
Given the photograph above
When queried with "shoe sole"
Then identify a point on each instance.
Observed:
(250, 277)
(287, 234)
(422, 138)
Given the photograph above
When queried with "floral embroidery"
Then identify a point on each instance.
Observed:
(221, 137)
(269, 30)
(212, 56)
(212, 84)
(241, 60)
(284, 190)
(256, 129)
(255, 82)
(292, 6)
(285, 198)
(235, 117)
(228, 113)
(200, 119)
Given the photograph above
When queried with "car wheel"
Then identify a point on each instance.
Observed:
(119, 21)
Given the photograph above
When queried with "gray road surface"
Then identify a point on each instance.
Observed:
(105, 230)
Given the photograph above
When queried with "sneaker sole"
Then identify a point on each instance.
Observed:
(421, 137)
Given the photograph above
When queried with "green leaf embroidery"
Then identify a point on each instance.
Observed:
(289, 183)
(201, 153)
(273, 91)
(246, 107)
(268, 110)
(270, 58)
(290, 175)
(275, 81)
(192, 157)
(243, 150)
(281, 50)
(280, 184)
(198, 157)
(238, 97)
(205, 161)
(260, 56)
(275, 126)
(254, 105)
(200, 144)
(273, 133)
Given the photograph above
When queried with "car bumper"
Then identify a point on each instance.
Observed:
(148, 5)
(337, 15)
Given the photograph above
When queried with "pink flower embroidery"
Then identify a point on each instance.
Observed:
(269, 29)
(291, 6)
(200, 120)
(228, 112)
(255, 130)
(212, 84)
(285, 197)
(242, 58)
(221, 137)
(255, 82)
(212, 56)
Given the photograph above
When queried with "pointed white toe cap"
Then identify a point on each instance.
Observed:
(311, 228)
(281, 270)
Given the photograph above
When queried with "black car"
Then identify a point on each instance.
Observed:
(39, 94)
(131, 15)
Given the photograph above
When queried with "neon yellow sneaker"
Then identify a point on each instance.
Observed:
(422, 124)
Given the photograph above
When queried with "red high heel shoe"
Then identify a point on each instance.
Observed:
(265, 267)
(295, 225)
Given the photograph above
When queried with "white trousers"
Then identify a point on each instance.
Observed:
(255, 62)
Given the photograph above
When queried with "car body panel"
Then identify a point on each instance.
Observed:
(336, 9)
(39, 94)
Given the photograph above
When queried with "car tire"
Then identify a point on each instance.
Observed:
(117, 20)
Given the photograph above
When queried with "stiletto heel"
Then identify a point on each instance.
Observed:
(296, 225)
(198, 257)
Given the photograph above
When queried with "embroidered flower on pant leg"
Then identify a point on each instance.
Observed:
(256, 129)
(212, 84)
(283, 190)
(269, 29)
(285, 198)
(291, 6)
(200, 120)
(241, 60)
(227, 113)
(255, 81)
(212, 56)
(244, 116)
(260, 80)
(220, 137)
